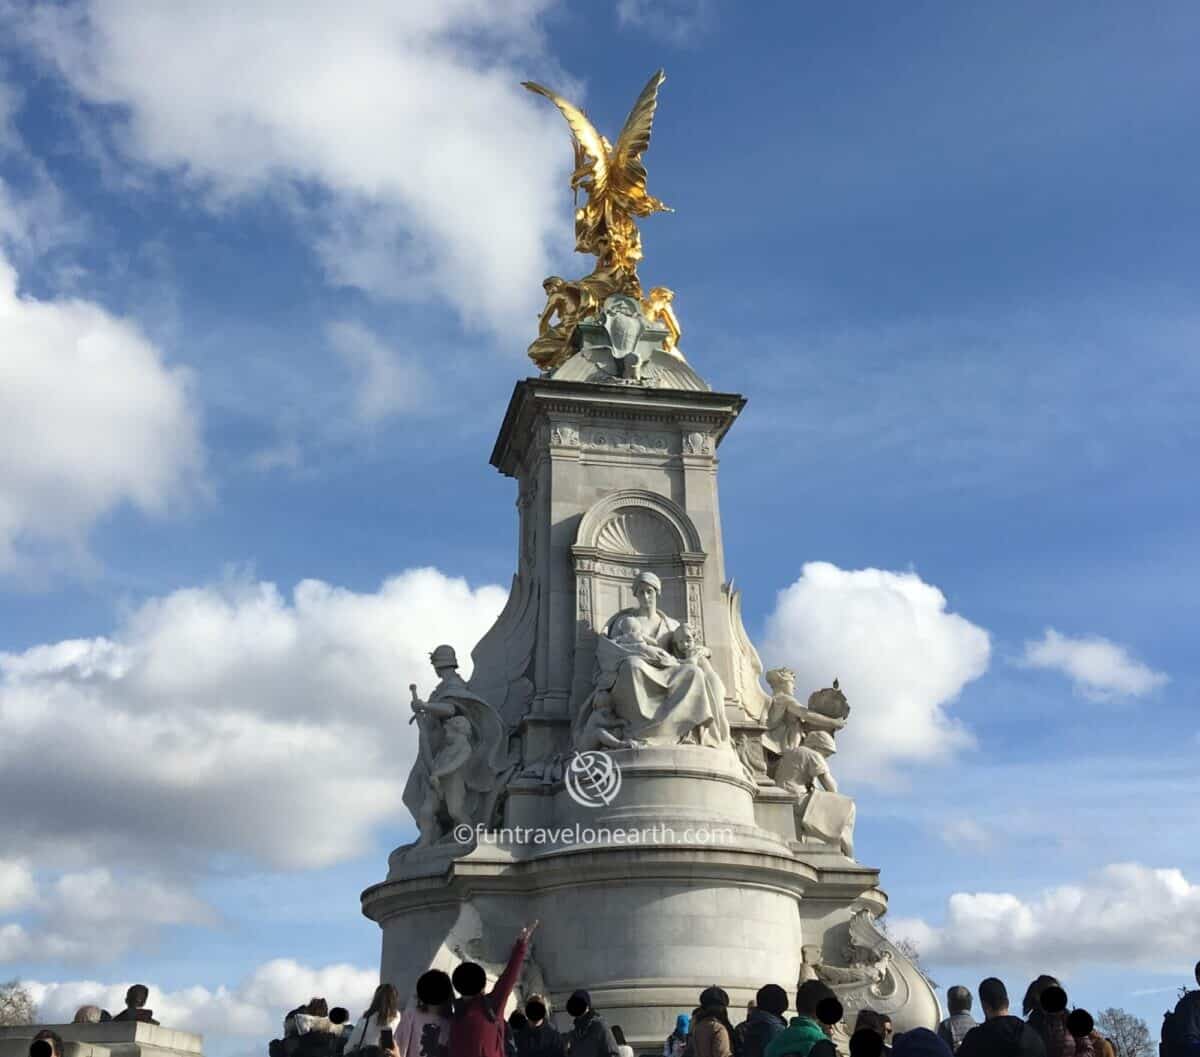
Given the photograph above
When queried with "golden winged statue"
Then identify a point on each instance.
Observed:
(614, 181)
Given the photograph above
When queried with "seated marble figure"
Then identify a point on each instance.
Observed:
(655, 677)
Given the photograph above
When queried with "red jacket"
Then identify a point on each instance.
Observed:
(477, 1029)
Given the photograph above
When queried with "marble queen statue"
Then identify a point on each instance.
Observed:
(655, 677)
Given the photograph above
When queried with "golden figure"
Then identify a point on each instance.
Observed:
(657, 306)
(564, 300)
(614, 181)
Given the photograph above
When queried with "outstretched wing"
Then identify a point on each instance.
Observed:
(635, 136)
(586, 136)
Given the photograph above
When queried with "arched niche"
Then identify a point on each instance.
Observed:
(619, 536)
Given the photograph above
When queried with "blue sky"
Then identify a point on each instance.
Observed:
(272, 279)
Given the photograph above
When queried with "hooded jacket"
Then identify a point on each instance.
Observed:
(1004, 1036)
(591, 1037)
(796, 1039)
(759, 1028)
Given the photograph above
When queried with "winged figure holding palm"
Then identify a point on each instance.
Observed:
(613, 181)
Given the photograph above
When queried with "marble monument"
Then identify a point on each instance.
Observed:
(725, 852)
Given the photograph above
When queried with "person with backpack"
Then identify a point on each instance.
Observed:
(1049, 1020)
(477, 1028)
(589, 1035)
(424, 1029)
(765, 1020)
(539, 1038)
(677, 1041)
(712, 1034)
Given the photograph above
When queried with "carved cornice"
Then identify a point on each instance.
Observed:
(695, 422)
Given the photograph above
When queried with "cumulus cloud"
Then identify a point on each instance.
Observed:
(91, 417)
(385, 382)
(1126, 914)
(253, 1007)
(17, 887)
(1098, 668)
(902, 658)
(399, 130)
(95, 915)
(210, 715)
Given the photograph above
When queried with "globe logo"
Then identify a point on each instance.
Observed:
(592, 779)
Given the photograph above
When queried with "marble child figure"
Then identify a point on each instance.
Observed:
(603, 728)
(686, 647)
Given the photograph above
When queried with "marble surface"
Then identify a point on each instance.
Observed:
(727, 881)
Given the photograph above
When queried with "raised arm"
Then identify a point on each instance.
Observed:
(512, 971)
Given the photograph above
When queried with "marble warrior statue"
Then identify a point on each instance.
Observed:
(613, 179)
(459, 769)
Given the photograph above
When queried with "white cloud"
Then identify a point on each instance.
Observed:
(253, 1007)
(17, 887)
(678, 22)
(1126, 914)
(965, 833)
(424, 167)
(902, 658)
(228, 719)
(95, 915)
(90, 418)
(1099, 669)
(385, 382)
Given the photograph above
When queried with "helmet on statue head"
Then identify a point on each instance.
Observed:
(444, 657)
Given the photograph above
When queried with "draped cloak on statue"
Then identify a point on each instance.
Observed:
(489, 747)
(661, 698)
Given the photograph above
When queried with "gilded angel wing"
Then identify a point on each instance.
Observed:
(632, 143)
(587, 139)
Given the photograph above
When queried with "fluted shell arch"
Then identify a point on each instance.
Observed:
(634, 521)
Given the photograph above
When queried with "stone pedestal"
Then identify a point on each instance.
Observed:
(110, 1039)
(694, 873)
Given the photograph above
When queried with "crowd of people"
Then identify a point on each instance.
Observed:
(455, 1015)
